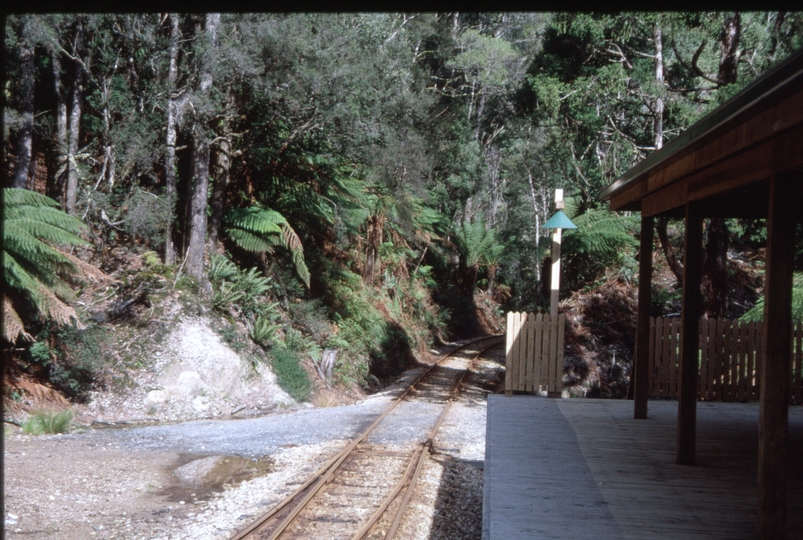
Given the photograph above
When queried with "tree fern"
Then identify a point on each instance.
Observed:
(32, 266)
(474, 241)
(260, 229)
(600, 233)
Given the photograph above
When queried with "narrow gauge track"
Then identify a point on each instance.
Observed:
(363, 491)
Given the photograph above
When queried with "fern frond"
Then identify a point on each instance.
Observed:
(257, 220)
(221, 269)
(600, 232)
(13, 329)
(37, 254)
(492, 255)
(31, 217)
(24, 197)
(250, 241)
(756, 313)
(43, 298)
(260, 229)
(31, 265)
(301, 266)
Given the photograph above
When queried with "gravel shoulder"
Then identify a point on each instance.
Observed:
(205, 479)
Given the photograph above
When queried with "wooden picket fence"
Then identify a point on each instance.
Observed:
(730, 359)
(534, 353)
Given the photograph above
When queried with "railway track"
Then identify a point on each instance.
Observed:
(363, 491)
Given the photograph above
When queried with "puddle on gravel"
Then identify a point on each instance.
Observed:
(199, 477)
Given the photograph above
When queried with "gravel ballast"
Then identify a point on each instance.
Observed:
(157, 482)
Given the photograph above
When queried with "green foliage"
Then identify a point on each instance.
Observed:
(313, 317)
(475, 241)
(231, 336)
(233, 287)
(222, 269)
(147, 216)
(263, 331)
(226, 294)
(602, 239)
(756, 313)
(290, 375)
(32, 267)
(79, 360)
(48, 422)
(40, 353)
(260, 230)
(297, 342)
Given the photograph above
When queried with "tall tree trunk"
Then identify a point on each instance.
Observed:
(222, 175)
(729, 49)
(200, 159)
(218, 199)
(491, 278)
(200, 180)
(658, 125)
(669, 251)
(470, 281)
(374, 236)
(715, 268)
(59, 161)
(776, 30)
(75, 123)
(170, 143)
(22, 167)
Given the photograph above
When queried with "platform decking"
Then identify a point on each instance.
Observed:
(584, 468)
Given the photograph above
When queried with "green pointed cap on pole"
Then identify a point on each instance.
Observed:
(559, 221)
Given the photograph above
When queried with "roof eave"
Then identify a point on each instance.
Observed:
(761, 88)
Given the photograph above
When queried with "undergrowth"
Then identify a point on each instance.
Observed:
(48, 422)
(290, 375)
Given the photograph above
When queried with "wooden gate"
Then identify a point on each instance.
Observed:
(730, 360)
(534, 353)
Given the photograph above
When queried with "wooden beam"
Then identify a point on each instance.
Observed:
(673, 196)
(690, 337)
(784, 204)
(736, 136)
(641, 361)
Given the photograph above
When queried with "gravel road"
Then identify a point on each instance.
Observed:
(204, 479)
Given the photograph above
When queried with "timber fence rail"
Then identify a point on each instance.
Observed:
(730, 360)
(534, 353)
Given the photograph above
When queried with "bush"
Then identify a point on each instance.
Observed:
(290, 374)
(79, 360)
(48, 422)
(147, 216)
(40, 353)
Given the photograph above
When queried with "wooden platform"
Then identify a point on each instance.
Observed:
(584, 468)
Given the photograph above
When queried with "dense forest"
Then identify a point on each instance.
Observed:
(362, 182)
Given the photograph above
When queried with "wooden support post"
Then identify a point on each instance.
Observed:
(640, 373)
(554, 293)
(690, 337)
(777, 355)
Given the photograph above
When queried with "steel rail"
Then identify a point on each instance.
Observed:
(320, 477)
(427, 447)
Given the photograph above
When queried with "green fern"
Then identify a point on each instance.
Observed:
(474, 241)
(222, 269)
(263, 331)
(260, 230)
(225, 295)
(253, 284)
(32, 266)
(492, 256)
(600, 233)
(757, 311)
